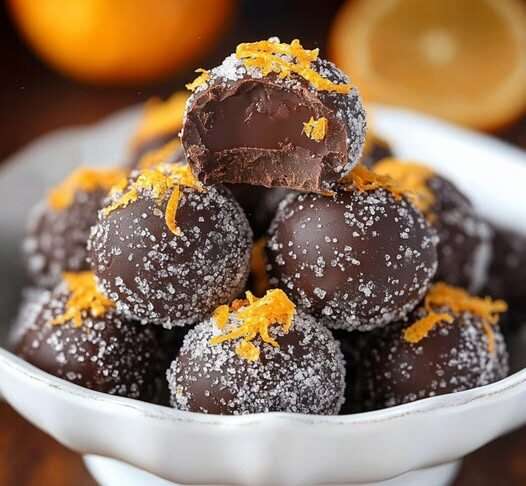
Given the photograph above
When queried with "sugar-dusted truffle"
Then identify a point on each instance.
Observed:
(168, 250)
(259, 355)
(450, 344)
(356, 261)
(465, 247)
(59, 226)
(274, 114)
(76, 335)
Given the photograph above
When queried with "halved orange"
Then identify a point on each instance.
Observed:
(463, 60)
(121, 41)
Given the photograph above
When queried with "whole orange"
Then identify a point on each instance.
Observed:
(121, 41)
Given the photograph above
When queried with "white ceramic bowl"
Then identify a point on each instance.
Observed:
(417, 443)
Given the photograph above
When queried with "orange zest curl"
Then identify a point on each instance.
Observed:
(84, 300)
(200, 80)
(457, 301)
(412, 178)
(258, 263)
(161, 117)
(283, 59)
(160, 180)
(363, 180)
(316, 129)
(84, 179)
(421, 328)
(255, 318)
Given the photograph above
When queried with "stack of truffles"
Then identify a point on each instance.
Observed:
(257, 252)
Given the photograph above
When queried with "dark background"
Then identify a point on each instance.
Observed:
(35, 100)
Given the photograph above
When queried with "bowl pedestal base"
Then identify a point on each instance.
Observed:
(109, 472)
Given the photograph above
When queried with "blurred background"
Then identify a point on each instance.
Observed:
(72, 62)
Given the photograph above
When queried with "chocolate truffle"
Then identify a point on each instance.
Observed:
(451, 344)
(159, 127)
(32, 299)
(355, 261)
(274, 114)
(259, 356)
(259, 203)
(59, 226)
(168, 250)
(506, 272)
(374, 150)
(464, 250)
(77, 336)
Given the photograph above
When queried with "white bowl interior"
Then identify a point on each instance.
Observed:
(271, 448)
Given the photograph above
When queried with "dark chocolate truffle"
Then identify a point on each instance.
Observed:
(445, 348)
(259, 203)
(239, 365)
(273, 115)
(169, 251)
(159, 126)
(356, 261)
(32, 299)
(59, 226)
(506, 272)
(464, 249)
(77, 336)
(374, 150)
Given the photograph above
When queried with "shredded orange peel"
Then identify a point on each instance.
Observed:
(160, 180)
(161, 117)
(316, 129)
(84, 179)
(457, 300)
(364, 180)
(412, 179)
(84, 300)
(255, 316)
(283, 59)
(203, 77)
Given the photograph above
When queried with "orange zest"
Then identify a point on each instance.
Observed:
(457, 301)
(84, 179)
(364, 180)
(203, 77)
(160, 181)
(254, 319)
(316, 129)
(160, 155)
(284, 59)
(412, 179)
(85, 300)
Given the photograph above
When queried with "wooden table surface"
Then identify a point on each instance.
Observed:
(35, 100)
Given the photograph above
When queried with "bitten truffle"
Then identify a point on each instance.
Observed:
(274, 114)
(464, 250)
(168, 250)
(77, 336)
(259, 356)
(59, 226)
(355, 261)
(451, 344)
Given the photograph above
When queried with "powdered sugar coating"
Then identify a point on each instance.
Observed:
(306, 374)
(465, 248)
(155, 276)
(56, 238)
(452, 358)
(357, 261)
(105, 354)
